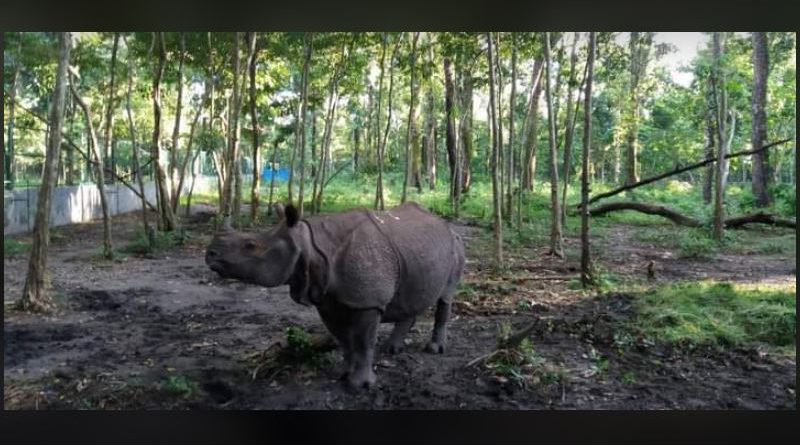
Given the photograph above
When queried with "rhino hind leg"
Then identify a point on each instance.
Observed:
(439, 336)
(395, 343)
(363, 333)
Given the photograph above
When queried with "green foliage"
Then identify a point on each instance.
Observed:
(161, 241)
(13, 247)
(524, 366)
(181, 386)
(696, 244)
(719, 313)
(301, 349)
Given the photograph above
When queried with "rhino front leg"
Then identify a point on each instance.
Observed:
(363, 334)
(394, 344)
(439, 337)
(340, 332)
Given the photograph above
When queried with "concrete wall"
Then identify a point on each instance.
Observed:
(80, 203)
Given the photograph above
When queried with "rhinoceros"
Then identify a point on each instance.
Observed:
(358, 268)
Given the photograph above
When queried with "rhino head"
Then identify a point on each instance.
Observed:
(279, 256)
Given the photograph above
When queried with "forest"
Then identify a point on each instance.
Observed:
(627, 202)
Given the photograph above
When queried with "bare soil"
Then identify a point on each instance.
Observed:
(167, 333)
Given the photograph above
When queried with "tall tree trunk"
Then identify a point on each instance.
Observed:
(10, 157)
(166, 217)
(500, 86)
(759, 107)
(721, 96)
(309, 40)
(556, 247)
(511, 107)
(587, 277)
(378, 141)
(34, 296)
(228, 205)
(108, 251)
(272, 179)
(256, 185)
(532, 127)
(450, 138)
(108, 158)
(639, 44)
(174, 149)
(465, 138)
(495, 164)
(569, 133)
(137, 168)
(710, 118)
(411, 127)
(382, 149)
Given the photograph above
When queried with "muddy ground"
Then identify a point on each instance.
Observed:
(167, 333)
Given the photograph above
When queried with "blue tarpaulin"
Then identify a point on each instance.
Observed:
(281, 174)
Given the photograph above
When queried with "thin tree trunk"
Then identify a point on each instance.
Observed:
(450, 140)
(228, 205)
(556, 247)
(532, 127)
(302, 123)
(708, 176)
(10, 157)
(379, 184)
(382, 149)
(721, 96)
(109, 124)
(512, 107)
(108, 251)
(34, 296)
(174, 149)
(761, 166)
(256, 185)
(495, 164)
(569, 133)
(272, 179)
(166, 217)
(411, 128)
(587, 277)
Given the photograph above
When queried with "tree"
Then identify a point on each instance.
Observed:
(530, 140)
(252, 63)
(556, 247)
(300, 134)
(495, 159)
(411, 131)
(569, 133)
(379, 203)
(587, 277)
(34, 296)
(721, 99)
(174, 148)
(108, 252)
(640, 44)
(8, 163)
(512, 107)
(166, 218)
(759, 103)
(450, 136)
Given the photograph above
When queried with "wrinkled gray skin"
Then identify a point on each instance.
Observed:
(359, 269)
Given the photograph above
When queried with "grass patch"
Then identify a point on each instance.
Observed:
(157, 242)
(723, 314)
(13, 247)
(181, 386)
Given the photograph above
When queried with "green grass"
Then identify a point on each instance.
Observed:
(181, 386)
(719, 313)
(13, 247)
(162, 241)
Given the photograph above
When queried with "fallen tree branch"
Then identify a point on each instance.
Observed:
(730, 223)
(679, 171)
(649, 209)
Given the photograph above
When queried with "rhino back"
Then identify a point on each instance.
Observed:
(399, 260)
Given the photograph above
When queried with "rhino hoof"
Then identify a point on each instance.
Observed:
(359, 381)
(434, 348)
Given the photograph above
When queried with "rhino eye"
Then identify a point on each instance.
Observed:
(249, 245)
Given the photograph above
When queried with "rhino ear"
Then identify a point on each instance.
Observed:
(279, 211)
(292, 215)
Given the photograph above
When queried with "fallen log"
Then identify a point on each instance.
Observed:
(679, 171)
(737, 222)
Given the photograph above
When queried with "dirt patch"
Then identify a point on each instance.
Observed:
(167, 333)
